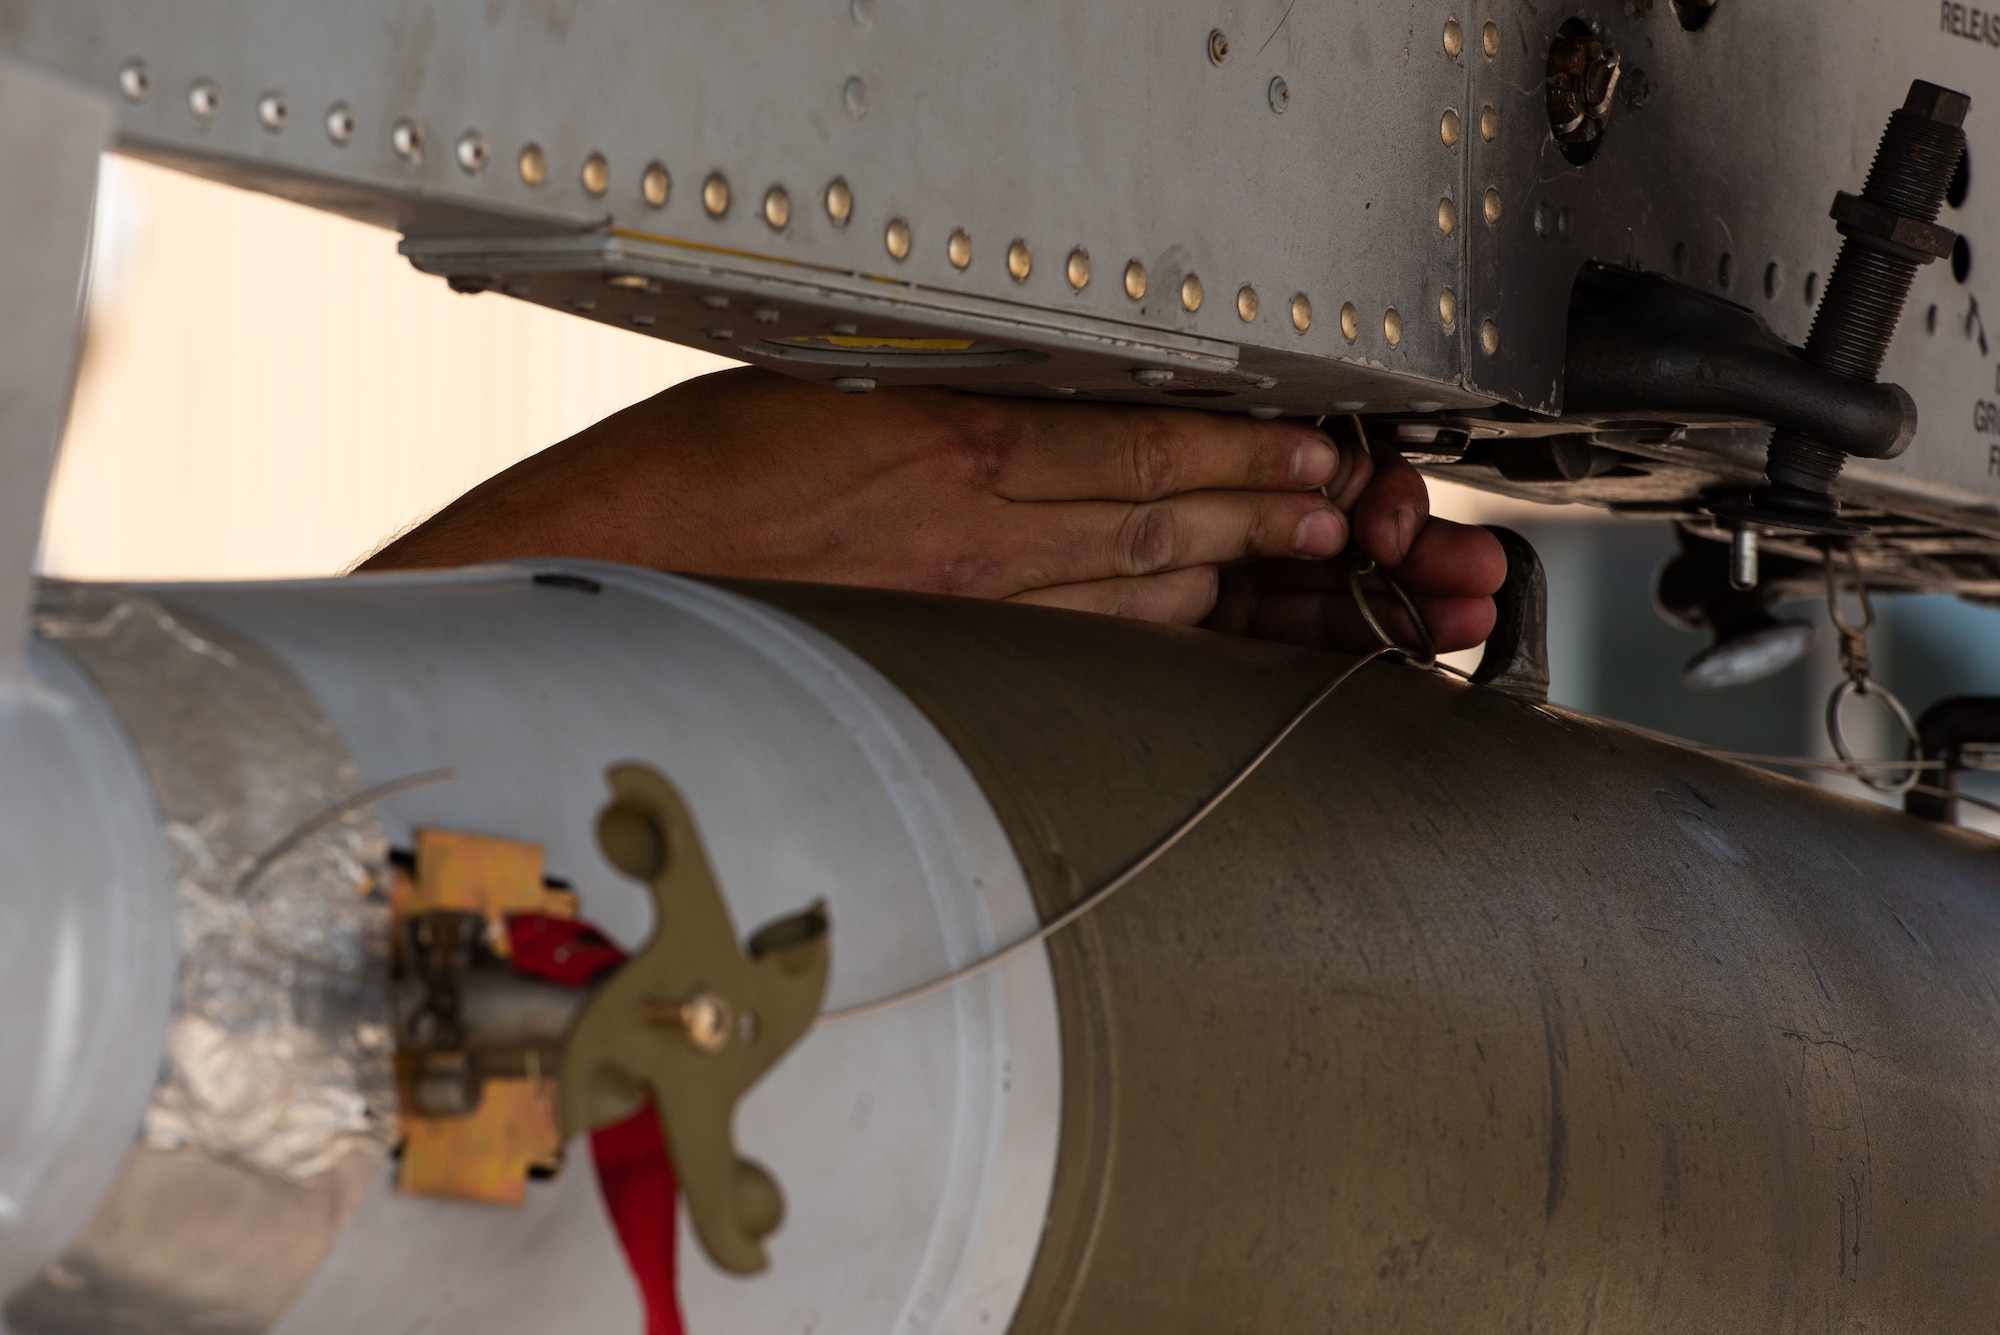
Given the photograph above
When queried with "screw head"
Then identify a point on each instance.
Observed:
(134, 81)
(709, 1022)
(407, 138)
(896, 239)
(854, 96)
(1152, 377)
(1491, 205)
(629, 282)
(1489, 337)
(596, 175)
(1454, 38)
(1135, 281)
(1448, 128)
(533, 165)
(958, 249)
(1489, 123)
(1019, 261)
(1077, 270)
(655, 185)
(1302, 312)
(1392, 326)
(1278, 94)
(854, 384)
(715, 194)
(1191, 293)
(1447, 216)
(777, 208)
(1448, 307)
(204, 99)
(1218, 46)
(839, 202)
(1489, 39)
(273, 110)
(1246, 303)
(471, 153)
(1350, 321)
(340, 124)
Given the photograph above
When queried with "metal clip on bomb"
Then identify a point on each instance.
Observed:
(1854, 662)
(1890, 229)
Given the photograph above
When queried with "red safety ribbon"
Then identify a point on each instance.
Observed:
(634, 1170)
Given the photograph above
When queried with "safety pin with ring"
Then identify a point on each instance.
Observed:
(1912, 747)
(1361, 567)
(1854, 661)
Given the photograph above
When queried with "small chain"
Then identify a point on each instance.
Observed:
(1854, 662)
(1853, 639)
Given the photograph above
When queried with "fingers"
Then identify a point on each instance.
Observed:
(1453, 560)
(1235, 600)
(1041, 544)
(1028, 451)
(1391, 511)
(1357, 467)
(1179, 597)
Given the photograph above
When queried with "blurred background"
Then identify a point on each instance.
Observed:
(272, 392)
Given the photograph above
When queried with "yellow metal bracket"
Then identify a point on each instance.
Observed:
(694, 1017)
(484, 1154)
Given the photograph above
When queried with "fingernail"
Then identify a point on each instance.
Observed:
(1406, 529)
(1313, 462)
(1320, 533)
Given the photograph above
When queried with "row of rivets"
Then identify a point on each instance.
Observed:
(1450, 130)
(1454, 39)
(1449, 126)
(1392, 321)
(473, 154)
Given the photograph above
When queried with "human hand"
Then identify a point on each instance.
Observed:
(748, 473)
(1451, 572)
(1129, 511)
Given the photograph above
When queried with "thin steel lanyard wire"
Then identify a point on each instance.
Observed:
(249, 908)
(1932, 790)
(1096, 898)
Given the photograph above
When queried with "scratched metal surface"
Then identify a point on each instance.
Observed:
(1467, 1014)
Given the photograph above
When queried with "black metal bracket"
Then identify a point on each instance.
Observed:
(1640, 343)
(1516, 659)
(1944, 732)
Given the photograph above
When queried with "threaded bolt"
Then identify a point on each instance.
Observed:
(1864, 296)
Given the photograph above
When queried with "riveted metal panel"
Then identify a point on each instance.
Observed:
(1112, 132)
(1104, 128)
